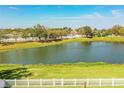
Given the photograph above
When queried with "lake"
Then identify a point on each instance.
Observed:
(66, 53)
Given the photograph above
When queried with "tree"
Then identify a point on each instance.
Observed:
(95, 29)
(59, 32)
(115, 29)
(53, 34)
(121, 31)
(67, 30)
(86, 30)
(25, 34)
(62, 33)
(40, 31)
(96, 33)
(15, 35)
(1, 36)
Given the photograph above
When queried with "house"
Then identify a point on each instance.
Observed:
(74, 34)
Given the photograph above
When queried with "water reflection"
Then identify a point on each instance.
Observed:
(68, 52)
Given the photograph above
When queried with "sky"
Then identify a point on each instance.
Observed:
(74, 16)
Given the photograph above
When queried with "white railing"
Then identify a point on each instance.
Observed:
(65, 82)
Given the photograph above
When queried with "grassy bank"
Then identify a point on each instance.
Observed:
(77, 70)
(39, 44)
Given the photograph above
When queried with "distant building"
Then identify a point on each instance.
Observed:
(73, 34)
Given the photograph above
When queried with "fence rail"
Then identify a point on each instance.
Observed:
(65, 82)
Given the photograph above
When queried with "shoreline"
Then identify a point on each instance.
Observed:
(27, 45)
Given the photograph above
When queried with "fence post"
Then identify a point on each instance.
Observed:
(100, 82)
(54, 82)
(75, 82)
(87, 82)
(15, 82)
(113, 82)
(28, 82)
(40, 82)
(62, 82)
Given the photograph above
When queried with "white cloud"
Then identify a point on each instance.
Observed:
(13, 8)
(86, 16)
(95, 19)
(92, 16)
(117, 13)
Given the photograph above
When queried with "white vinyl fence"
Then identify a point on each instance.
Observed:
(65, 82)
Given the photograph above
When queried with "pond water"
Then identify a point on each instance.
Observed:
(67, 53)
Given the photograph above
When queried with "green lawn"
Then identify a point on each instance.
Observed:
(77, 70)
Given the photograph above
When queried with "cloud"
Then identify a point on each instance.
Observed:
(13, 8)
(95, 19)
(117, 13)
(92, 16)
(95, 15)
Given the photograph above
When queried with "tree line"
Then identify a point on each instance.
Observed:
(45, 34)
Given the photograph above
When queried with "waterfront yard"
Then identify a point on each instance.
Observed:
(76, 70)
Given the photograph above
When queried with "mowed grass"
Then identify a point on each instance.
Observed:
(39, 44)
(76, 70)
